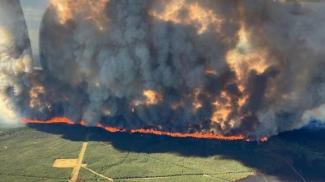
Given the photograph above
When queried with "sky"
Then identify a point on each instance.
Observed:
(34, 10)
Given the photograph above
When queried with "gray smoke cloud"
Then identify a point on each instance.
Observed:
(293, 34)
(15, 60)
(252, 67)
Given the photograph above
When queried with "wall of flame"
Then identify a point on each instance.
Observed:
(231, 68)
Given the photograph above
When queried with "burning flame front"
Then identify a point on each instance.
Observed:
(202, 135)
(228, 70)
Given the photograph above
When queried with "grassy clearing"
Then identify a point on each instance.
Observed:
(27, 155)
(129, 166)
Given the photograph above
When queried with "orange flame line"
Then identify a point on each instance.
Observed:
(201, 135)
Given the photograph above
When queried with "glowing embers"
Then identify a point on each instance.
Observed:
(93, 10)
(182, 12)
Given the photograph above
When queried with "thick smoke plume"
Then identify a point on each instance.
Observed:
(251, 67)
(15, 60)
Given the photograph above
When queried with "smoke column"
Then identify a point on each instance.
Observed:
(15, 60)
(252, 68)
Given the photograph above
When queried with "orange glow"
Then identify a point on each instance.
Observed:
(62, 9)
(34, 94)
(242, 101)
(264, 139)
(197, 103)
(223, 109)
(152, 97)
(202, 135)
(211, 71)
(196, 15)
(55, 120)
(244, 58)
(93, 10)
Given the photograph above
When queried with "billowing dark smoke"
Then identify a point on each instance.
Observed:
(251, 67)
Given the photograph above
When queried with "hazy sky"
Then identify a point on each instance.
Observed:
(34, 10)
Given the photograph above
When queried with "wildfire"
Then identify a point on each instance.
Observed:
(264, 139)
(197, 103)
(152, 97)
(242, 59)
(55, 120)
(196, 15)
(34, 93)
(223, 108)
(92, 10)
(202, 135)
(245, 58)
(227, 106)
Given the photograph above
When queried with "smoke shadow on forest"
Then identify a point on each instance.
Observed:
(302, 150)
